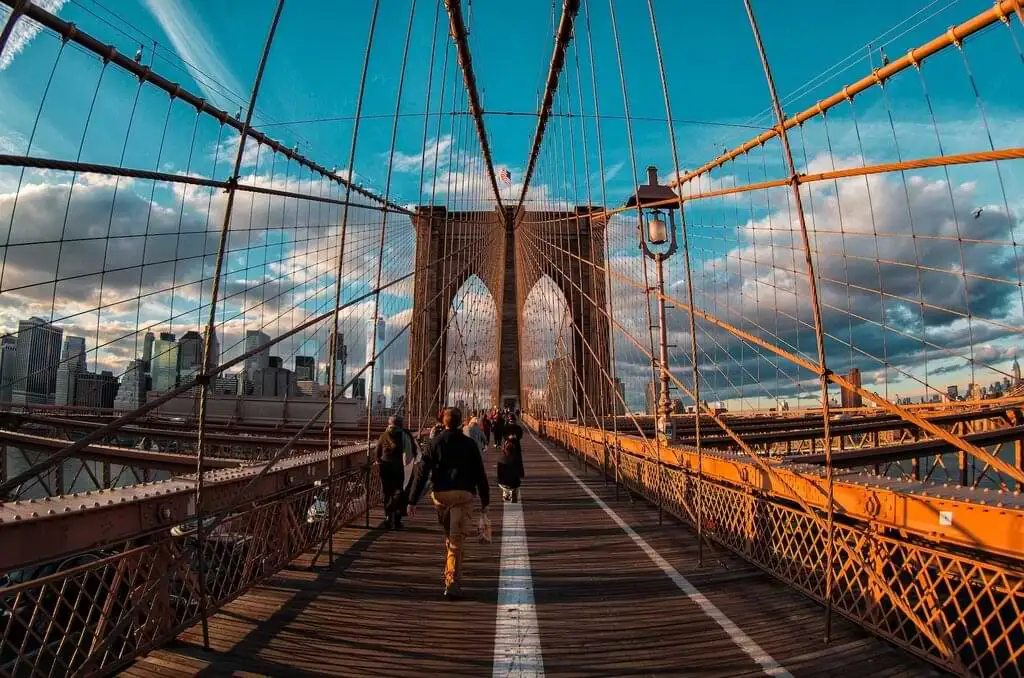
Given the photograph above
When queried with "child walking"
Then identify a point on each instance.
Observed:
(510, 463)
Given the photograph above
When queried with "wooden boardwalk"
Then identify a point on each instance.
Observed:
(604, 605)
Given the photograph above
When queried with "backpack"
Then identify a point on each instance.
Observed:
(508, 450)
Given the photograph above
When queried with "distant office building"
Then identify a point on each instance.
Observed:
(398, 381)
(619, 404)
(974, 392)
(851, 398)
(380, 403)
(341, 355)
(1016, 373)
(359, 388)
(96, 390)
(37, 358)
(225, 385)
(134, 385)
(253, 340)
(164, 365)
(273, 381)
(147, 350)
(307, 388)
(651, 398)
(373, 349)
(305, 368)
(72, 363)
(8, 365)
(190, 356)
(953, 392)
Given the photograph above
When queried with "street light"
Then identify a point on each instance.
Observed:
(474, 371)
(651, 199)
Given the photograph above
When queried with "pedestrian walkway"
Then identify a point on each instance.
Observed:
(574, 584)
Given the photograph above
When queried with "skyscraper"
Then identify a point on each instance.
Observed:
(38, 354)
(373, 349)
(164, 366)
(253, 340)
(132, 392)
(147, 350)
(190, 356)
(1016, 372)
(96, 390)
(8, 362)
(398, 380)
(72, 363)
(305, 368)
(341, 355)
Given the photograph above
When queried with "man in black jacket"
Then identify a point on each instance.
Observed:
(394, 448)
(452, 462)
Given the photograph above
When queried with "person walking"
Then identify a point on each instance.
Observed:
(510, 464)
(394, 447)
(485, 426)
(453, 464)
(498, 427)
(472, 430)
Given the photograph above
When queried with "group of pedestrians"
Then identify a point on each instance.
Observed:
(451, 463)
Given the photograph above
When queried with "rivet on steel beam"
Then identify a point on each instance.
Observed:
(35, 514)
(51, 512)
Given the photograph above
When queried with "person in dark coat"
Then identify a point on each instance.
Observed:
(510, 464)
(452, 463)
(498, 428)
(394, 447)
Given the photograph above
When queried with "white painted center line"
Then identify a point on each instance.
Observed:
(745, 642)
(517, 650)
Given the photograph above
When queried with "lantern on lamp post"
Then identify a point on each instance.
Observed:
(656, 205)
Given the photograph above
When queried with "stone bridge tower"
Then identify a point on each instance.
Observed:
(488, 244)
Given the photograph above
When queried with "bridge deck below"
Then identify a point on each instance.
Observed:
(607, 601)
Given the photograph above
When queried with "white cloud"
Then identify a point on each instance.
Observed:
(189, 38)
(24, 31)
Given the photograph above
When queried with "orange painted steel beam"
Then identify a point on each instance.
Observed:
(999, 12)
(978, 524)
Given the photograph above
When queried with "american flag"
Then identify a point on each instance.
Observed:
(504, 175)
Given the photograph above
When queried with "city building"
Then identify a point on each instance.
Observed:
(164, 365)
(253, 340)
(36, 361)
(190, 356)
(8, 362)
(72, 363)
(1016, 373)
(273, 380)
(619, 400)
(398, 381)
(226, 384)
(851, 398)
(134, 385)
(305, 368)
(96, 390)
(651, 398)
(359, 388)
(377, 349)
(147, 350)
(953, 392)
(341, 356)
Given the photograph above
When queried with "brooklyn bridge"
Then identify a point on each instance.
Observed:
(745, 276)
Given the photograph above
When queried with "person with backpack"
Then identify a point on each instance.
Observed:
(395, 448)
(510, 464)
(452, 463)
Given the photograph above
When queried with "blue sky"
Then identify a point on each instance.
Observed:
(717, 89)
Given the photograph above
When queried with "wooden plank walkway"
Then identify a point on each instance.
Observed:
(604, 607)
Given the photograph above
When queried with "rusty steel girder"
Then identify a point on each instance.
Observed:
(38, 530)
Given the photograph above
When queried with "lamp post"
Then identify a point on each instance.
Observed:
(654, 202)
(473, 368)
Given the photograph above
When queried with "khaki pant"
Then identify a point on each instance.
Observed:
(455, 513)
